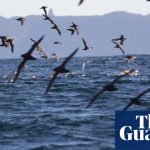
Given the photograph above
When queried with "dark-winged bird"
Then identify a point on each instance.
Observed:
(121, 39)
(108, 87)
(86, 47)
(118, 45)
(48, 18)
(57, 42)
(44, 9)
(40, 49)
(10, 43)
(21, 19)
(4, 41)
(60, 69)
(56, 28)
(136, 100)
(27, 56)
(73, 29)
(80, 2)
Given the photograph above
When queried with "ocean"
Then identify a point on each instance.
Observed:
(30, 120)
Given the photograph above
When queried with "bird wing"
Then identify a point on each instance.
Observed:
(35, 45)
(51, 82)
(21, 65)
(45, 10)
(130, 103)
(94, 98)
(141, 94)
(69, 57)
(58, 30)
(122, 50)
(72, 31)
(84, 42)
(80, 2)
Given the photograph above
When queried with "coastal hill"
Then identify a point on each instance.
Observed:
(97, 30)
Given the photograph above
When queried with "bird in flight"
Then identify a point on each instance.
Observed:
(44, 9)
(48, 18)
(121, 39)
(27, 56)
(80, 2)
(56, 56)
(10, 43)
(136, 100)
(40, 49)
(56, 28)
(86, 47)
(73, 29)
(60, 69)
(57, 42)
(109, 87)
(118, 45)
(22, 20)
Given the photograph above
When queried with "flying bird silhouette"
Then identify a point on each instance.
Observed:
(136, 100)
(44, 9)
(27, 56)
(121, 39)
(73, 29)
(40, 49)
(56, 56)
(56, 28)
(118, 45)
(86, 47)
(10, 44)
(21, 19)
(48, 18)
(60, 69)
(4, 41)
(80, 2)
(57, 42)
(109, 87)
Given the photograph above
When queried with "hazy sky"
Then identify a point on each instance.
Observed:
(9, 8)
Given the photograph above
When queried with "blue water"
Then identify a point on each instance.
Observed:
(30, 120)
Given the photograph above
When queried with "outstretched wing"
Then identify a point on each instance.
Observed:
(51, 82)
(80, 2)
(21, 65)
(69, 57)
(94, 98)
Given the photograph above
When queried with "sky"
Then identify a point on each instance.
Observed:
(11, 8)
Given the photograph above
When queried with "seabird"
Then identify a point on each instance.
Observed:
(118, 45)
(48, 18)
(136, 100)
(57, 42)
(44, 9)
(27, 56)
(40, 49)
(60, 69)
(86, 62)
(86, 47)
(10, 43)
(73, 29)
(56, 56)
(56, 28)
(121, 39)
(80, 2)
(108, 87)
(130, 58)
(4, 41)
(21, 19)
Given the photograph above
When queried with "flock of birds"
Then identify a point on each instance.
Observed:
(119, 42)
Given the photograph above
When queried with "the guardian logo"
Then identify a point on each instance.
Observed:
(127, 133)
(132, 130)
